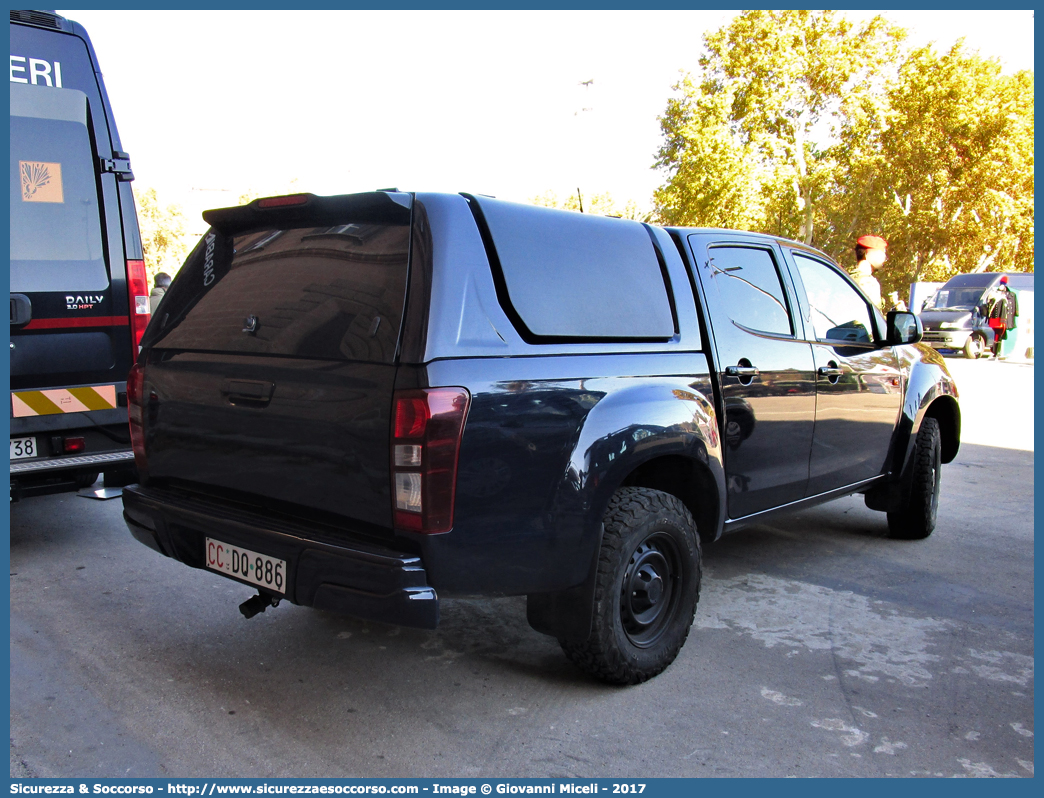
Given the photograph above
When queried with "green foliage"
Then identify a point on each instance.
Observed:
(749, 144)
(804, 125)
(600, 204)
(162, 234)
(716, 179)
(958, 151)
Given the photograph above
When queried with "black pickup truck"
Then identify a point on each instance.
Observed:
(362, 403)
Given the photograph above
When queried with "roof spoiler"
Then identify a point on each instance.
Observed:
(375, 207)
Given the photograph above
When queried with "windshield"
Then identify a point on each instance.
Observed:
(954, 299)
(56, 240)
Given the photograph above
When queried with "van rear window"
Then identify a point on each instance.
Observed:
(56, 240)
(330, 292)
(578, 276)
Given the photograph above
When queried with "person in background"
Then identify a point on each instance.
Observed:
(895, 303)
(159, 287)
(1003, 307)
(870, 256)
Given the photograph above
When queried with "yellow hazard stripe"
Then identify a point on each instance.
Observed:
(92, 400)
(32, 403)
(62, 400)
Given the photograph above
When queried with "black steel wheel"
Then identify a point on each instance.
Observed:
(646, 591)
(916, 518)
(650, 591)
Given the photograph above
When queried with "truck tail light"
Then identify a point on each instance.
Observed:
(136, 413)
(138, 291)
(428, 428)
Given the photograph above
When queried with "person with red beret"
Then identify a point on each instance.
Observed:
(870, 256)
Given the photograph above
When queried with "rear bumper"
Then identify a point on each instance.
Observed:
(365, 581)
(86, 462)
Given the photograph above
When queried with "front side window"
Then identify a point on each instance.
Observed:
(56, 238)
(836, 312)
(749, 287)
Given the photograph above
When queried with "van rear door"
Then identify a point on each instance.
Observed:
(270, 368)
(71, 238)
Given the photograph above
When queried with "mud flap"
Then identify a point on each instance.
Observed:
(566, 614)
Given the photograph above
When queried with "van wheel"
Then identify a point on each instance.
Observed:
(120, 478)
(646, 588)
(974, 346)
(86, 480)
(915, 520)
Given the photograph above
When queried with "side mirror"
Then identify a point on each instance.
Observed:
(903, 328)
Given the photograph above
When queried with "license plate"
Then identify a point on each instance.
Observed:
(258, 569)
(23, 447)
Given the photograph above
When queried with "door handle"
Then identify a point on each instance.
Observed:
(21, 310)
(743, 372)
(830, 372)
(248, 392)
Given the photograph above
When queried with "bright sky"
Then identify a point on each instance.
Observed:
(211, 104)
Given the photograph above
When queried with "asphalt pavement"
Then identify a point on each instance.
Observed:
(821, 648)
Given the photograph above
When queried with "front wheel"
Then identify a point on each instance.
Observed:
(915, 519)
(646, 589)
(974, 346)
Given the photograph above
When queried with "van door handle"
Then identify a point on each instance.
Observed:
(831, 372)
(252, 393)
(21, 310)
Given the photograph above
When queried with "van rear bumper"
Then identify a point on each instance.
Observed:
(362, 580)
(98, 462)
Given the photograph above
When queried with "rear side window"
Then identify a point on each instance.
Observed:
(574, 276)
(749, 288)
(56, 238)
(330, 292)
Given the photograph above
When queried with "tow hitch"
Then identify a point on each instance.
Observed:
(259, 603)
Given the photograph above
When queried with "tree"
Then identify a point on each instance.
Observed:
(751, 141)
(716, 179)
(162, 233)
(600, 204)
(958, 158)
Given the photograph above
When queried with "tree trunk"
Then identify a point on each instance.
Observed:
(804, 201)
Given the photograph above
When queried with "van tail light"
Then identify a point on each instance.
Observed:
(136, 413)
(74, 445)
(428, 428)
(138, 291)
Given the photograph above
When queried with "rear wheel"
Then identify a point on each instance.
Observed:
(915, 519)
(86, 480)
(974, 346)
(120, 478)
(646, 590)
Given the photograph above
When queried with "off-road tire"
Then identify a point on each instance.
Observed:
(974, 346)
(915, 520)
(646, 589)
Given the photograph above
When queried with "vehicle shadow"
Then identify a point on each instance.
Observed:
(149, 638)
